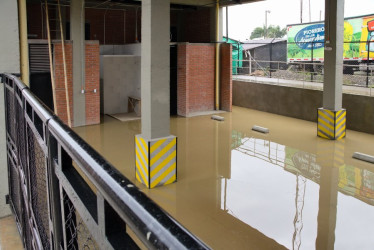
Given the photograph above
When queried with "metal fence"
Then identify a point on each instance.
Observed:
(305, 62)
(66, 196)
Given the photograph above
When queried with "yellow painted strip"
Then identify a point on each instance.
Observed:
(341, 123)
(162, 152)
(326, 124)
(342, 136)
(322, 135)
(171, 180)
(330, 119)
(328, 112)
(340, 118)
(144, 154)
(328, 132)
(163, 163)
(145, 145)
(340, 130)
(161, 177)
(141, 173)
(156, 145)
(137, 177)
(144, 165)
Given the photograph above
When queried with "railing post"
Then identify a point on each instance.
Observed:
(367, 65)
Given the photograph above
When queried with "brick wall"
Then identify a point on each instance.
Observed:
(60, 80)
(226, 77)
(92, 77)
(92, 81)
(195, 78)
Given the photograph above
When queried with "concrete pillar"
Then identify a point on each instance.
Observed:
(331, 125)
(155, 148)
(9, 62)
(77, 23)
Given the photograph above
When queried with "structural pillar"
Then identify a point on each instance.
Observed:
(10, 63)
(155, 148)
(77, 24)
(24, 47)
(332, 117)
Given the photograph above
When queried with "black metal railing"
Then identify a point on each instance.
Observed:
(66, 196)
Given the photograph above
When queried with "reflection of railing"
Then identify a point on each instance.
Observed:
(353, 181)
(66, 196)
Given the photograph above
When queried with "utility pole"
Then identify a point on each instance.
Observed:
(301, 11)
(310, 13)
(266, 23)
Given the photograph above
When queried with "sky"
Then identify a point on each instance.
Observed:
(243, 19)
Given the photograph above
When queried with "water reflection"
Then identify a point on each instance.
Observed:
(299, 199)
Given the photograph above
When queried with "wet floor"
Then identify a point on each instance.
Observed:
(240, 189)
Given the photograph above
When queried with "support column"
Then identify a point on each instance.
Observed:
(9, 62)
(331, 118)
(155, 148)
(24, 47)
(77, 23)
(330, 156)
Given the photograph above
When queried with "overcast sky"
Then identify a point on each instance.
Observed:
(244, 18)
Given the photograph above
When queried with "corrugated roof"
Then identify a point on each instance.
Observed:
(251, 44)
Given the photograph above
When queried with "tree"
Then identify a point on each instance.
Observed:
(272, 32)
(257, 33)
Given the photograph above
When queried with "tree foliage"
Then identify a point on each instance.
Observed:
(272, 32)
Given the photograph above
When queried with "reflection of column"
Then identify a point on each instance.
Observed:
(330, 157)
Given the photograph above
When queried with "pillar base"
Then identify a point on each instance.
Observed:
(156, 160)
(331, 124)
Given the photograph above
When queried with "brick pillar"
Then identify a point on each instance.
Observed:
(60, 80)
(226, 77)
(92, 81)
(183, 74)
(195, 78)
(92, 78)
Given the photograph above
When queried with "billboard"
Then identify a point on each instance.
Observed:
(306, 41)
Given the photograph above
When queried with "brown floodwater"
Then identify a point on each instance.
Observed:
(241, 189)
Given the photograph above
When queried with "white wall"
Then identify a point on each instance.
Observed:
(9, 63)
(121, 79)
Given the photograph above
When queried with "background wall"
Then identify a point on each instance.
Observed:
(121, 80)
(302, 103)
(9, 62)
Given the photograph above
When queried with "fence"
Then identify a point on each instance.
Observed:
(305, 61)
(66, 196)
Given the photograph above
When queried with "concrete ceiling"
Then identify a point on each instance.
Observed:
(175, 3)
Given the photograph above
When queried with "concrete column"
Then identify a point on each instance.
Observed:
(9, 62)
(77, 23)
(155, 148)
(334, 30)
(332, 118)
(155, 69)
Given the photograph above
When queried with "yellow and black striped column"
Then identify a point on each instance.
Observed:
(331, 124)
(156, 161)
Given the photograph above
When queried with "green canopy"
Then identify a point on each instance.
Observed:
(237, 54)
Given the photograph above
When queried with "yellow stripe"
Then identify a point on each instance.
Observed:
(340, 130)
(163, 163)
(322, 135)
(156, 145)
(141, 173)
(161, 177)
(342, 136)
(144, 154)
(341, 123)
(328, 112)
(144, 144)
(162, 152)
(171, 180)
(328, 132)
(326, 124)
(137, 177)
(330, 119)
(340, 118)
(142, 163)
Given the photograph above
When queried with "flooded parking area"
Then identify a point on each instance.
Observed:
(238, 188)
